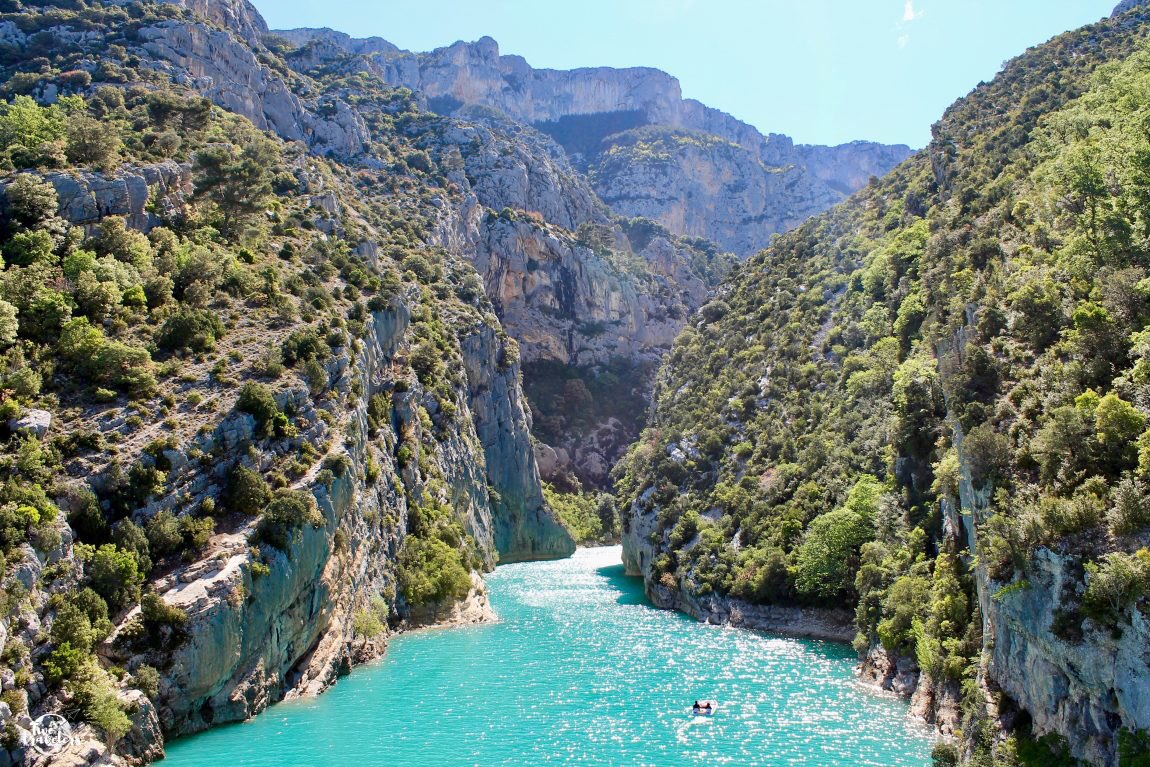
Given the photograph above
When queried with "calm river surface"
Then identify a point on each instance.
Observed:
(580, 671)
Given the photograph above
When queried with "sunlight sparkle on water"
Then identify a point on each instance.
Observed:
(580, 671)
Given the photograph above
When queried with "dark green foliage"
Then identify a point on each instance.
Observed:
(64, 662)
(427, 363)
(90, 354)
(164, 533)
(91, 144)
(115, 574)
(431, 571)
(192, 329)
(436, 558)
(972, 324)
(237, 180)
(247, 492)
(146, 679)
(288, 512)
(129, 537)
(302, 345)
(31, 202)
(257, 400)
(827, 559)
(155, 612)
(944, 755)
(1134, 748)
(589, 517)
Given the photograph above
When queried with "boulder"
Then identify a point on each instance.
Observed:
(33, 422)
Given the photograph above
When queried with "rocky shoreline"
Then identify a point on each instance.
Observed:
(802, 622)
(473, 609)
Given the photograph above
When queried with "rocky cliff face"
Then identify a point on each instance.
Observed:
(237, 16)
(141, 196)
(1091, 687)
(253, 638)
(567, 281)
(740, 190)
(1089, 683)
(226, 69)
(372, 443)
(523, 528)
(1127, 5)
(703, 186)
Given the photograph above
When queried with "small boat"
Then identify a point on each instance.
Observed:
(705, 708)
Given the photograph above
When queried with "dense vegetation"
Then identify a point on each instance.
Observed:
(976, 317)
(589, 515)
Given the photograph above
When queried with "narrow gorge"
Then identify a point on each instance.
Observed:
(302, 335)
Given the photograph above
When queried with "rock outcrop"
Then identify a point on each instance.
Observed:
(563, 302)
(1089, 687)
(238, 16)
(253, 637)
(1127, 5)
(228, 71)
(700, 185)
(524, 528)
(142, 196)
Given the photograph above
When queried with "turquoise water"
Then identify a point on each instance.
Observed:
(580, 671)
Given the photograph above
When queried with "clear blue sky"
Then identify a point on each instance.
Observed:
(822, 71)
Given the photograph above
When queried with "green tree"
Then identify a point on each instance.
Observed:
(114, 573)
(25, 123)
(1115, 582)
(30, 247)
(828, 557)
(31, 201)
(9, 324)
(237, 180)
(431, 571)
(1118, 426)
(289, 511)
(247, 492)
(192, 329)
(864, 496)
(257, 400)
(164, 536)
(91, 143)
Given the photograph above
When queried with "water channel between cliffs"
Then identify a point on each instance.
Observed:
(580, 671)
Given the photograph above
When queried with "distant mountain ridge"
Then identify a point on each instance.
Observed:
(737, 191)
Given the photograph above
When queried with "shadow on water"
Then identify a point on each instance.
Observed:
(630, 587)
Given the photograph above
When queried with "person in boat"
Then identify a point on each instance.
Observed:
(696, 709)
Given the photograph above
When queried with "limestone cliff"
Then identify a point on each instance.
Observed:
(262, 624)
(1091, 686)
(523, 528)
(703, 186)
(142, 196)
(228, 70)
(1127, 5)
(253, 636)
(747, 188)
(237, 16)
